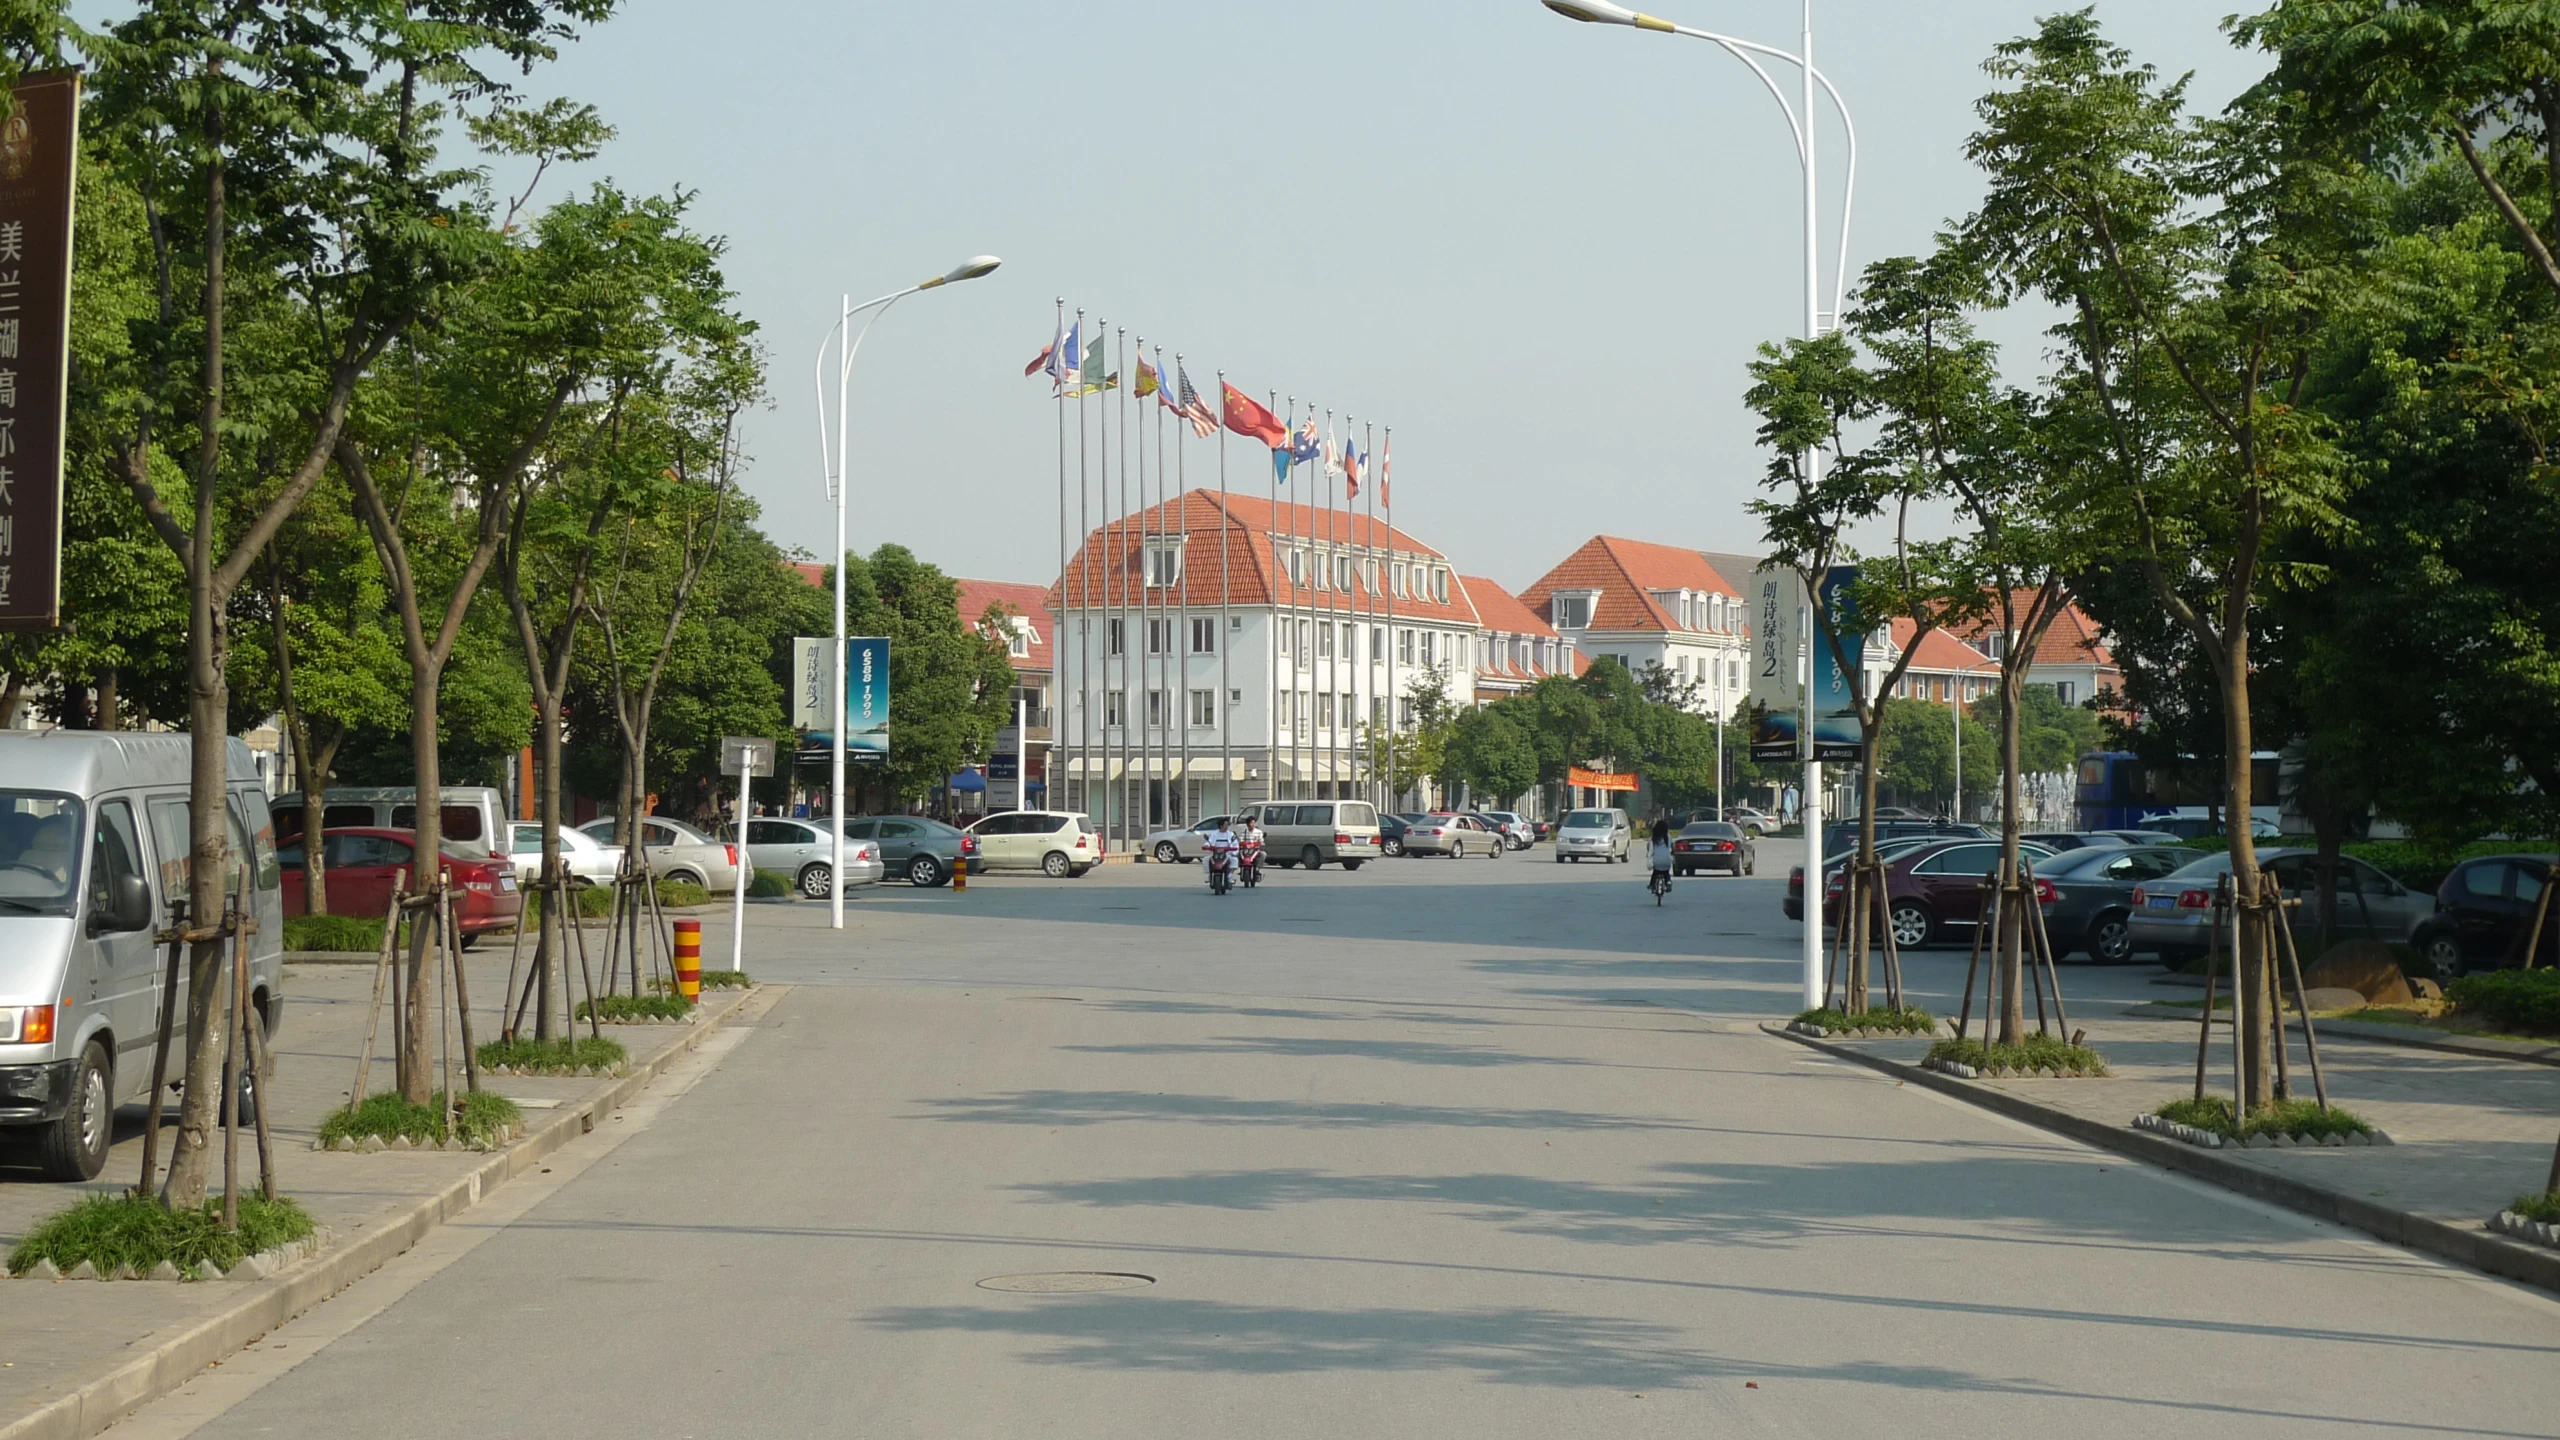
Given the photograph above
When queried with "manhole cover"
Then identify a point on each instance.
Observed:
(1067, 1282)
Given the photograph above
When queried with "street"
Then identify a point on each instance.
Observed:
(1439, 1148)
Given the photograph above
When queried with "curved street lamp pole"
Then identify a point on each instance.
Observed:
(1800, 120)
(835, 474)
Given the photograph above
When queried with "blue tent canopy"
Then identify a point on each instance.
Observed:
(969, 780)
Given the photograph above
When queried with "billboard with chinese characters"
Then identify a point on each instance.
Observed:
(1777, 663)
(866, 700)
(39, 141)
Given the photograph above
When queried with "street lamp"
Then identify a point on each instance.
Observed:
(835, 476)
(1800, 120)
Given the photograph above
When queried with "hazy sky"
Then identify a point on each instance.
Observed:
(1542, 251)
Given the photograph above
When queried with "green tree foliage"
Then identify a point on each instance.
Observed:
(1915, 754)
(950, 684)
(1491, 751)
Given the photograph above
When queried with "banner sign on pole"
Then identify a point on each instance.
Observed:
(867, 700)
(813, 670)
(1835, 693)
(1777, 667)
(39, 139)
(1599, 779)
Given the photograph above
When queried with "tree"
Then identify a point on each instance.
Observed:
(1490, 751)
(950, 683)
(1916, 753)
(2189, 262)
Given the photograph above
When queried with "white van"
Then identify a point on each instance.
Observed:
(474, 816)
(93, 851)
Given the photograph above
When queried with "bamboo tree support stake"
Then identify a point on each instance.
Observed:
(2553, 1187)
(462, 999)
(2212, 974)
(2239, 1008)
(2030, 968)
(434, 918)
(2044, 940)
(1892, 950)
(381, 974)
(2310, 1032)
(1981, 923)
(587, 975)
(237, 973)
(2268, 907)
(2541, 914)
(253, 1035)
(152, 1103)
(511, 1014)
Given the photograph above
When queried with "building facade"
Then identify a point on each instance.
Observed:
(1644, 604)
(1017, 614)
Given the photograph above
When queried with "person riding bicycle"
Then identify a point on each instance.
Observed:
(1661, 847)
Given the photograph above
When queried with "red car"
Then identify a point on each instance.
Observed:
(1936, 890)
(364, 864)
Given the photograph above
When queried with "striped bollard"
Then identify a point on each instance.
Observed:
(689, 960)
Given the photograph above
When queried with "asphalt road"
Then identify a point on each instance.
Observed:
(1438, 1149)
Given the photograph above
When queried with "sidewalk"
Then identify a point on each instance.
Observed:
(79, 1353)
(2470, 1132)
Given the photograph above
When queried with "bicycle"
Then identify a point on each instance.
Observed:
(1660, 885)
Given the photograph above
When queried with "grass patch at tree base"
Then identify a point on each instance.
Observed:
(636, 1007)
(2295, 1118)
(346, 933)
(480, 1119)
(1909, 1020)
(726, 980)
(138, 1231)
(581, 1053)
(768, 885)
(2037, 1054)
(2545, 1208)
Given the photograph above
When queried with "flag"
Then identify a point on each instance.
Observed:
(1149, 381)
(1204, 421)
(1352, 461)
(1280, 465)
(1089, 377)
(1064, 354)
(1306, 446)
(1332, 456)
(1040, 361)
(1387, 472)
(1246, 418)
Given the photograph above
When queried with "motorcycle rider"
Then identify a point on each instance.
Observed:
(1249, 847)
(1218, 850)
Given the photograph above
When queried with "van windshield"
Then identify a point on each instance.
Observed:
(39, 852)
(1590, 820)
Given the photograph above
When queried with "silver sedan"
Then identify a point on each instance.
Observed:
(1181, 847)
(805, 852)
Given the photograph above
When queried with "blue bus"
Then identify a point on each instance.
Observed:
(2117, 791)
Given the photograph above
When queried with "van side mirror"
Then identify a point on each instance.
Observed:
(125, 906)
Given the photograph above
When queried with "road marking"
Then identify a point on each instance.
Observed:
(209, 1396)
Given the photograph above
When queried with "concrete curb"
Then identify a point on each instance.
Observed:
(2530, 1051)
(159, 1364)
(2481, 1248)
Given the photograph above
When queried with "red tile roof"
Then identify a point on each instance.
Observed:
(1501, 613)
(1626, 573)
(2072, 639)
(1243, 527)
(1940, 652)
(1008, 597)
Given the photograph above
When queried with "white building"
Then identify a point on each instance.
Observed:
(1645, 604)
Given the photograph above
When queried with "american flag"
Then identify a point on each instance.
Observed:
(1204, 421)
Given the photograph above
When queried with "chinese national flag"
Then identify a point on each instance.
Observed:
(1246, 418)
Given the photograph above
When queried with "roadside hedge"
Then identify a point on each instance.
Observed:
(2526, 1000)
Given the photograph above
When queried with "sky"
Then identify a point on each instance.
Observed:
(1543, 252)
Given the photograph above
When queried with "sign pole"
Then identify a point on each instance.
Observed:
(738, 896)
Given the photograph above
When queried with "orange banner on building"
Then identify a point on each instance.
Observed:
(1598, 779)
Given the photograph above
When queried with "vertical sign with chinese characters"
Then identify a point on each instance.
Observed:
(1777, 664)
(39, 141)
(866, 710)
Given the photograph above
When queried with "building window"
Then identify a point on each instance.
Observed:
(1378, 711)
(1324, 639)
(1288, 709)
(1306, 658)
(1018, 644)
(1350, 710)
(2062, 691)
(1204, 709)
(1234, 698)
(1430, 643)
(1159, 636)
(1324, 711)
(1204, 636)
(1342, 571)
(1298, 567)
(1377, 644)
(1570, 612)
(1117, 635)
(1440, 586)
(1404, 713)
(1164, 564)
(1404, 646)
(1235, 623)
(1401, 588)
(1155, 709)
(1307, 709)
(1115, 708)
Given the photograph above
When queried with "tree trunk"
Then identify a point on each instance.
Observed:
(2010, 951)
(417, 1042)
(310, 768)
(107, 710)
(2257, 1079)
(1862, 920)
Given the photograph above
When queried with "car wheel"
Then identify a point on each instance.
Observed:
(1312, 858)
(1353, 864)
(1391, 848)
(924, 872)
(75, 1146)
(1457, 850)
(1167, 853)
(1911, 926)
(2111, 940)
(682, 877)
(1559, 859)
(2445, 953)
(1056, 865)
(816, 880)
(1496, 852)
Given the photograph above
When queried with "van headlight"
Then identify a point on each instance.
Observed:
(26, 1024)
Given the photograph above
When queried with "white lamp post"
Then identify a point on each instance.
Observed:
(969, 269)
(1800, 120)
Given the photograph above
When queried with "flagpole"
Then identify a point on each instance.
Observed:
(1369, 671)
(1226, 620)
(1177, 603)
(1301, 603)
(1334, 606)
(1051, 793)
(1283, 654)
(1084, 602)
(1150, 669)
(1395, 641)
(1117, 550)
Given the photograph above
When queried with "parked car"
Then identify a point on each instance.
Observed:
(1843, 838)
(473, 818)
(1712, 845)
(588, 860)
(1934, 892)
(2483, 910)
(2139, 837)
(1897, 812)
(674, 850)
(805, 851)
(1519, 831)
(365, 865)
(1057, 843)
(1832, 864)
(2174, 914)
(2059, 841)
(1181, 846)
(2202, 827)
(1456, 836)
(1601, 834)
(1308, 833)
(79, 973)
(1758, 821)
(1391, 830)
(2093, 896)
(923, 852)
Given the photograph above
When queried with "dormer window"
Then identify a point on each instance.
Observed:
(1164, 563)
(1570, 610)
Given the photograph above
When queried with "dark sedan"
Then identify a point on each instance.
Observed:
(1833, 860)
(2483, 910)
(2093, 895)
(1712, 845)
(1935, 891)
(1391, 830)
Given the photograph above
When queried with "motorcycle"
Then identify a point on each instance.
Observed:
(1249, 863)
(1221, 871)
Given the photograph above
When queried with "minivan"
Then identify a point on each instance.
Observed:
(1596, 834)
(94, 853)
(1054, 842)
(474, 816)
(1307, 833)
